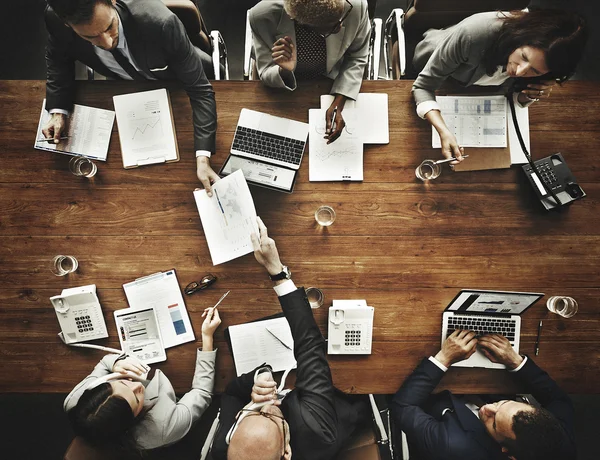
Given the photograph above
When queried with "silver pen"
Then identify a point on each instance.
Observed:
(221, 299)
(333, 115)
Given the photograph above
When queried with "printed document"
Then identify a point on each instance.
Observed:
(88, 132)
(269, 341)
(373, 115)
(228, 218)
(146, 128)
(161, 291)
(476, 121)
(341, 160)
(139, 335)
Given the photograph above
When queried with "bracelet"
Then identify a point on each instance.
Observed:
(530, 99)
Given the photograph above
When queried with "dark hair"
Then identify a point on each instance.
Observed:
(104, 420)
(539, 436)
(76, 11)
(560, 34)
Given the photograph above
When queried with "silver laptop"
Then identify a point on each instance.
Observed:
(487, 312)
(267, 149)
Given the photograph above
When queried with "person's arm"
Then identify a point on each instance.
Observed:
(184, 60)
(426, 431)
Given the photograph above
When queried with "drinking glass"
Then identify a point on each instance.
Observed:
(315, 297)
(428, 170)
(63, 265)
(83, 167)
(325, 216)
(562, 305)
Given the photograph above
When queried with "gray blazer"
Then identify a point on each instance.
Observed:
(456, 52)
(164, 420)
(157, 40)
(347, 51)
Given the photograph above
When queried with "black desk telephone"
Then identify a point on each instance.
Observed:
(551, 178)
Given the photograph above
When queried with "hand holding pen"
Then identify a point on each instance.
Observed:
(334, 121)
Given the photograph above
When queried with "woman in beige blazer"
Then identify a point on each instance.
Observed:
(111, 410)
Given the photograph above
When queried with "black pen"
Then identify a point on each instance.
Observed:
(537, 341)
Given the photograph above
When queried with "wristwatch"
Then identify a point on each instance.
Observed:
(285, 274)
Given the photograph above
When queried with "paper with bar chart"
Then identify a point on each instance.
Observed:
(228, 218)
(146, 128)
(476, 121)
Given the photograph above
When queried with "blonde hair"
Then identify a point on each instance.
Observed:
(315, 12)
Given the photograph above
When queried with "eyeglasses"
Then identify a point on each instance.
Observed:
(338, 24)
(244, 413)
(195, 286)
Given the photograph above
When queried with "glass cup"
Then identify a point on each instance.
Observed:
(63, 265)
(428, 170)
(315, 297)
(562, 305)
(83, 167)
(325, 216)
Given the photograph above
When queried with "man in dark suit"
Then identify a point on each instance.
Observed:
(131, 40)
(450, 427)
(315, 419)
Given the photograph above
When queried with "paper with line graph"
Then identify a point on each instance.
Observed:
(476, 121)
(228, 217)
(146, 128)
(342, 159)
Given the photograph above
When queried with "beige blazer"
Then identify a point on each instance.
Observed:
(347, 51)
(164, 420)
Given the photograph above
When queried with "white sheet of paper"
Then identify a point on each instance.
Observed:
(89, 131)
(145, 127)
(161, 291)
(476, 121)
(228, 218)
(341, 160)
(517, 157)
(373, 115)
(253, 345)
(139, 334)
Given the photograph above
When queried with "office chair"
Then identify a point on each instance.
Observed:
(403, 30)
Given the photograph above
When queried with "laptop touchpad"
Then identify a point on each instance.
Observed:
(274, 125)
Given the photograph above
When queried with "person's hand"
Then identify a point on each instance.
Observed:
(265, 250)
(460, 345)
(265, 389)
(499, 350)
(334, 130)
(205, 173)
(209, 326)
(284, 54)
(128, 365)
(55, 126)
(539, 90)
(450, 148)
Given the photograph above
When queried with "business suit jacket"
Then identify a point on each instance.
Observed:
(320, 419)
(347, 51)
(457, 51)
(163, 420)
(458, 434)
(160, 47)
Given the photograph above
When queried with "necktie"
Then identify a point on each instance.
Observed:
(126, 65)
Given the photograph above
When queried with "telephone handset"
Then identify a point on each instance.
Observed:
(350, 328)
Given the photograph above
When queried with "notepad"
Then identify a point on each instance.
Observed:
(146, 128)
(269, 341)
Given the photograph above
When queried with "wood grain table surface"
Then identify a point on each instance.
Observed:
(405, 247)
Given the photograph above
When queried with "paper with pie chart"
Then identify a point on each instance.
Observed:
(146, 128)
(228, 218)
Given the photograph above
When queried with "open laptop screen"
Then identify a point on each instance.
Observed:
(494, 302)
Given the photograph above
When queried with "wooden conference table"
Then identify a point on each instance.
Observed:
(405, 247)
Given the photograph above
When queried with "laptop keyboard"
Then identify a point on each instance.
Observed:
(268, 145)
(483, 325)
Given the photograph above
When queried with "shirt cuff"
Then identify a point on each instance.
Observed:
(203, 153)
(520, 366)
(285, 288)
(427, 106)
(63, 111)
(438, 364)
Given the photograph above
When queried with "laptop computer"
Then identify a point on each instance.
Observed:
(267, 149)
(487, 312)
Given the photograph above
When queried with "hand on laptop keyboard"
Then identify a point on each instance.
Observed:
(498, 349)
(460, 345)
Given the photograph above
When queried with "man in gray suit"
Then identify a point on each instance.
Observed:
(130, 40)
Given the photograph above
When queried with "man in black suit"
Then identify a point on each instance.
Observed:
(131, 40)
(449, 427)
(315, 419)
